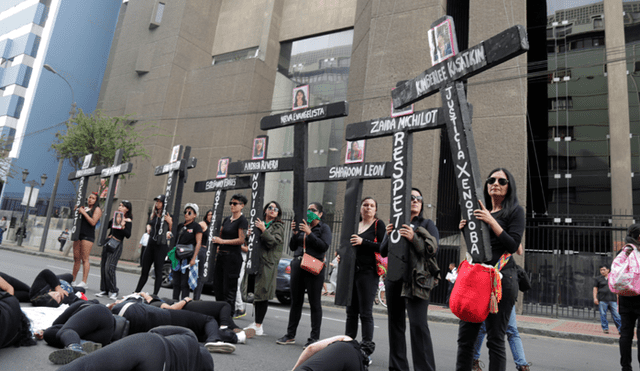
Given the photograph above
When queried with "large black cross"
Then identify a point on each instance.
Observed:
(113, 174)
(176, 178)
(300, 119)
(354, 175)
(445, 77)
(258, 169)
(83, 174)
(220, 187)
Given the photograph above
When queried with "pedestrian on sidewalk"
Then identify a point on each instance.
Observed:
(629, 310)
(3, 227)
(64, 236)
(604, 298)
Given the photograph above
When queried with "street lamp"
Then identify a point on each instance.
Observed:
(31, 183)
(52, 201)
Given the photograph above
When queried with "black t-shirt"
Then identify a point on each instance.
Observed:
(155, 223)
(230, 232)
(120, 234)
(604, 294)
(365, 252)
(187, 233)
(142, 317)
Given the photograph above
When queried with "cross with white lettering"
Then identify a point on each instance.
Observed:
(445, 77)
(83, 174)
(177, 176)
(354, 175)
(220, 187)
(113, 173)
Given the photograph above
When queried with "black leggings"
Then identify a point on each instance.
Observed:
(365, 286)
(301, 280)
(338, 356)
(220, 310)
(108, 265)
(205, 327)
(153, 254)
(225, 278)
(94, 323)
(20, 289)
(261, 310)
(47, 278)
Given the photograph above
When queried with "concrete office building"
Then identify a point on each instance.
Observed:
(74, 38)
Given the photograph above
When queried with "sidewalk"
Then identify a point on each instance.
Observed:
(544, 326)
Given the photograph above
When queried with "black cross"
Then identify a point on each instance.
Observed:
(177, 171)
(82, 174)
(445, 77)
(220, 187)
(112, 173)
(354, 175)
(300, 119)
(258, 169)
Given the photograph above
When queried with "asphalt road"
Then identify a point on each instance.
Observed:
(262, 353)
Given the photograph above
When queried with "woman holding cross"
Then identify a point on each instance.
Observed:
(90, 215)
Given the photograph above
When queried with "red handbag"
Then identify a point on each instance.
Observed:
(310, 263)
(477, 291)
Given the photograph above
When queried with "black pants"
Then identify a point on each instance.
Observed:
(153, 254)
(421, 345)
(301, 280)
(62, 243)
(630, 316)
(365, 285)
(205, 327)
(226, 275)
(341, 355)
(261, 310)
(20, 289)
(202, 257)
(108, 265)
(220, 310)
(45, 281)
(181, 282)
(496, 329)
(94, 323)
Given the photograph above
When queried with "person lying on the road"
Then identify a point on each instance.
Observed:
(14, 287)
(14, 325)
(338, 353)
(49, 290)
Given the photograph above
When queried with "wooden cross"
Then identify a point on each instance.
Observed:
(83, 174)
(177, 176)
(258, 169)
(112, 173)
(354, 175)
(300, 119)
(445, 77)
(220, 187)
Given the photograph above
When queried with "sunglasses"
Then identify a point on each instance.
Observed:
(501, 181)
(313, 210)
(188, 212)
(272, 208)
(233, 203)
(416, 198)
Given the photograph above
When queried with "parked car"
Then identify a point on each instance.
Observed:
(283, 279)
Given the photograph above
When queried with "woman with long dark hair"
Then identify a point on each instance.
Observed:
(271, 239)
(189, 233)
(412, 296)
(157, 248)
(505, 218)
(366, 242)
(109, 260)
(315, 237)
(629, 309)
(82, 247)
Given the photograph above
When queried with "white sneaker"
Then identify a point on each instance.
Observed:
(220, 347)
(242, 337)
(113, 296)
(259, 331)
(82, 284)
(102, 293)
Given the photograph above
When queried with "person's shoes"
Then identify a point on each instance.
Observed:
(220, 347)
(102, 293)
(286, 340)
(369, 360)
(309, 342)
(259, 331)
(90, 346)
(113, 296)
(81, 284)
(605, 331)
(239, 313)
(251, 333)
(242, 337)
(526, 367)
(477, 365)
(66, 355)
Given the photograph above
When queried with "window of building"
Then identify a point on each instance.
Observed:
(235, 56)
(560, 132)
(562, 163)
(560, 103)
(560, 75)
(598, 41)
(565, 194)
(598, 23)
(562, 31)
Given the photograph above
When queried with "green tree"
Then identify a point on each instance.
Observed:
(101, 136)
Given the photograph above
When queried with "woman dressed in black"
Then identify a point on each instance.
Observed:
(156, 248)
(109, 260)
(91, 214)
(189, 233)
(629, 310)
(412, 296)
(229, 258)
(367, 242)
(505, 218)
(316, 237)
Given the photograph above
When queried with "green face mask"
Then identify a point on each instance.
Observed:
(311, 216)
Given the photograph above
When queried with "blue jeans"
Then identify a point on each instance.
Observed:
(613, 308)
(515, 343)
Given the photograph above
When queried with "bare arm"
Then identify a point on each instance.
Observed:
(235, 241)
(595, 296)
(5, 286)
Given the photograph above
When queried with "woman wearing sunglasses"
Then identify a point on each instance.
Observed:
(271, 241)
(189, 233)
(505, 219)
(315, 237)
(412, 296)
(229, 258)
